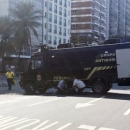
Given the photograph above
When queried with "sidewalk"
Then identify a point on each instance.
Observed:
(14, 90)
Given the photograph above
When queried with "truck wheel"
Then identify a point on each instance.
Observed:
(30, 89)
(98, 87)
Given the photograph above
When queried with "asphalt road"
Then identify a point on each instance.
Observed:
(57, 112)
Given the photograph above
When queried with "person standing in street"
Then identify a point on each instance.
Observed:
(78, 84)
(9, 75)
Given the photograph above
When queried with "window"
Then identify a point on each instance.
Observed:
(60, 20)
(50, 17)
(49, 39)
(64, 40)
(55, 40)
(55, 18)
(60, 2)
(60, 30)
(64, 31)
(64, 22)
(55, 29)
(74, 11)
(55, 1)
(50, 6)
(50, 28)
(65, 12)
(55, 8)
(60, 10)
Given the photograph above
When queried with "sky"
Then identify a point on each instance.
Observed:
(3, 7)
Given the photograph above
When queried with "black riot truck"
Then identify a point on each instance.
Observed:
(98, 66)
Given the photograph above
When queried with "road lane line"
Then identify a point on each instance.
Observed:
(15, 100)
(46, 127)
(40, 125)
(96, 99)
(8, 124)
(7, 120)
(127, 112)
(87, 127)
(4, 118)
(102, 128)
(35, 121)
(44, 102)
(80, 105)
(63, 127)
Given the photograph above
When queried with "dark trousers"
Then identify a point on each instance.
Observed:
(80, 90)
(60, 91)
(9, 81)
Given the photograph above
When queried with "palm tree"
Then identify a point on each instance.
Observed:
(6, 30)
(25, 23)
(26, 20)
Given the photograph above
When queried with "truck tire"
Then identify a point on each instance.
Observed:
(30, 89)
(98, 87)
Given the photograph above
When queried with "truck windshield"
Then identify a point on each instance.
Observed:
(36, 62)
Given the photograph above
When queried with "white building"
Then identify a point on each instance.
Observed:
(56, 20)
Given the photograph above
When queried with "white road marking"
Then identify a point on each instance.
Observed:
(46, 127)
(44, 101)
(102, 128)
(37, 127)
(21, 128)
(6, 126)
(7, 120)
(87, 127)
(63, 127)
(15, 100)
(4, 118)
(79, 105)
(127, 112)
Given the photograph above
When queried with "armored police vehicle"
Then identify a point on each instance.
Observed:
(97, 66)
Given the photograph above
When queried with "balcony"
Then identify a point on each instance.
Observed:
(96, 8)
(96, 23)
(96, 1)
(96, 15)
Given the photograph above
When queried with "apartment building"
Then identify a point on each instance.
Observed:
(88, 20)
(56, 24)
(119, 18)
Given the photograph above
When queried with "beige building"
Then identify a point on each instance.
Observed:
(88, 20)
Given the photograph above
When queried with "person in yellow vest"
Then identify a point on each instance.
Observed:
(9, 75)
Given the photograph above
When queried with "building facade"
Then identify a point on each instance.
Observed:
(119, 18)
(88, 20)
(55, 22)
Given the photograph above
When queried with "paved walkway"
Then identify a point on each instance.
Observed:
(15, 88)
